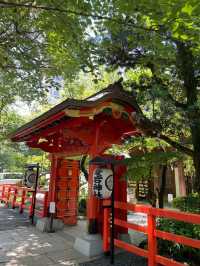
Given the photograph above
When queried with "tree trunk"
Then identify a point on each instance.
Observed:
(162, 187)
(195, 132)
(196, 182)
(185, 65)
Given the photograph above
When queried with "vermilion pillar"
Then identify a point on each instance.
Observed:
(120, 195)
(52, 181)
(92, 205)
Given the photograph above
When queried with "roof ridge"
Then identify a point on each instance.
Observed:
(116, 85)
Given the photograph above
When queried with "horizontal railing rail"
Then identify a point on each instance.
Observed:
(152, 232)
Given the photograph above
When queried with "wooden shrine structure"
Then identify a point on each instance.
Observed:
(90, 127)
(80, 127)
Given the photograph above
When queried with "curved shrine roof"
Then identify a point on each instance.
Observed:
(74, 123)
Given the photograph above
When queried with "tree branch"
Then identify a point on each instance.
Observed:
(126, 21)
(165, 86)
(177, 103)
(153, 129)
(4, 4)
(176, 145)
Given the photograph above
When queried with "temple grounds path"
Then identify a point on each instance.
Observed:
(22, 245)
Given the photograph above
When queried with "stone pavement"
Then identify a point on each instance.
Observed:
(26, 246)
(121, 259)
(11, 219)
(22, 245)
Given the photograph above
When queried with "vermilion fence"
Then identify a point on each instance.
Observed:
(150, 230)
(22, 197)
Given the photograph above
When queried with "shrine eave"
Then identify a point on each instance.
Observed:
(75, 117)
(113, 92)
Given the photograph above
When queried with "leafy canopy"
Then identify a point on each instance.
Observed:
(157, 40)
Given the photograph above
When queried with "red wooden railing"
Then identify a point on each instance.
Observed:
(150, 230)
(22, 197)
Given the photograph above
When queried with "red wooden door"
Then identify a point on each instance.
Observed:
(67, 188)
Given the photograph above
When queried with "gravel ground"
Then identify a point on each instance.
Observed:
(121, 259)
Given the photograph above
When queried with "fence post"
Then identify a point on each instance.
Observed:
(106, 225)
(31, 206)
(152, 245)
(8, 196)
(14, 198)
(23, 197)
(3, 193)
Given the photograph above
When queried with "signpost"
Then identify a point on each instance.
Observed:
(52, 210)
(32, 168)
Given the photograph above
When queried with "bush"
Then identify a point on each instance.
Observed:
(175, 250)
(190, 203)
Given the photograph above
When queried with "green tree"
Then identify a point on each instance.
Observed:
(14, 156)
(86, 84)
(158, 38)
(148, 158)
(36, 48)
(163, 44)
(165, 41)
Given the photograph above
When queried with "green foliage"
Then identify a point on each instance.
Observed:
(144, 155)
(191, 203)
(9, 120)
(189, 167)
(37, 47)
(141, 166)
(42, 181)
(153, 44)
(14, 156)
(86, 84)
(175, 250)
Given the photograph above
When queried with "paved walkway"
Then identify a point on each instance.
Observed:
(22, 245)
(10, 219)
(121, 259)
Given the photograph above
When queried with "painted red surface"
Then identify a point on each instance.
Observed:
(78, 135)
(63, 188)
(151, 231)
(21, 197)
(94, 205)
(91, 131)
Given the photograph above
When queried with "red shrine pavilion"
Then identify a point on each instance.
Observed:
(80, 127)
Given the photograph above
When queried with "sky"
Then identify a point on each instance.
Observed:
(26, 110)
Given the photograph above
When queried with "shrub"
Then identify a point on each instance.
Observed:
(175, 250)
(190, 203)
